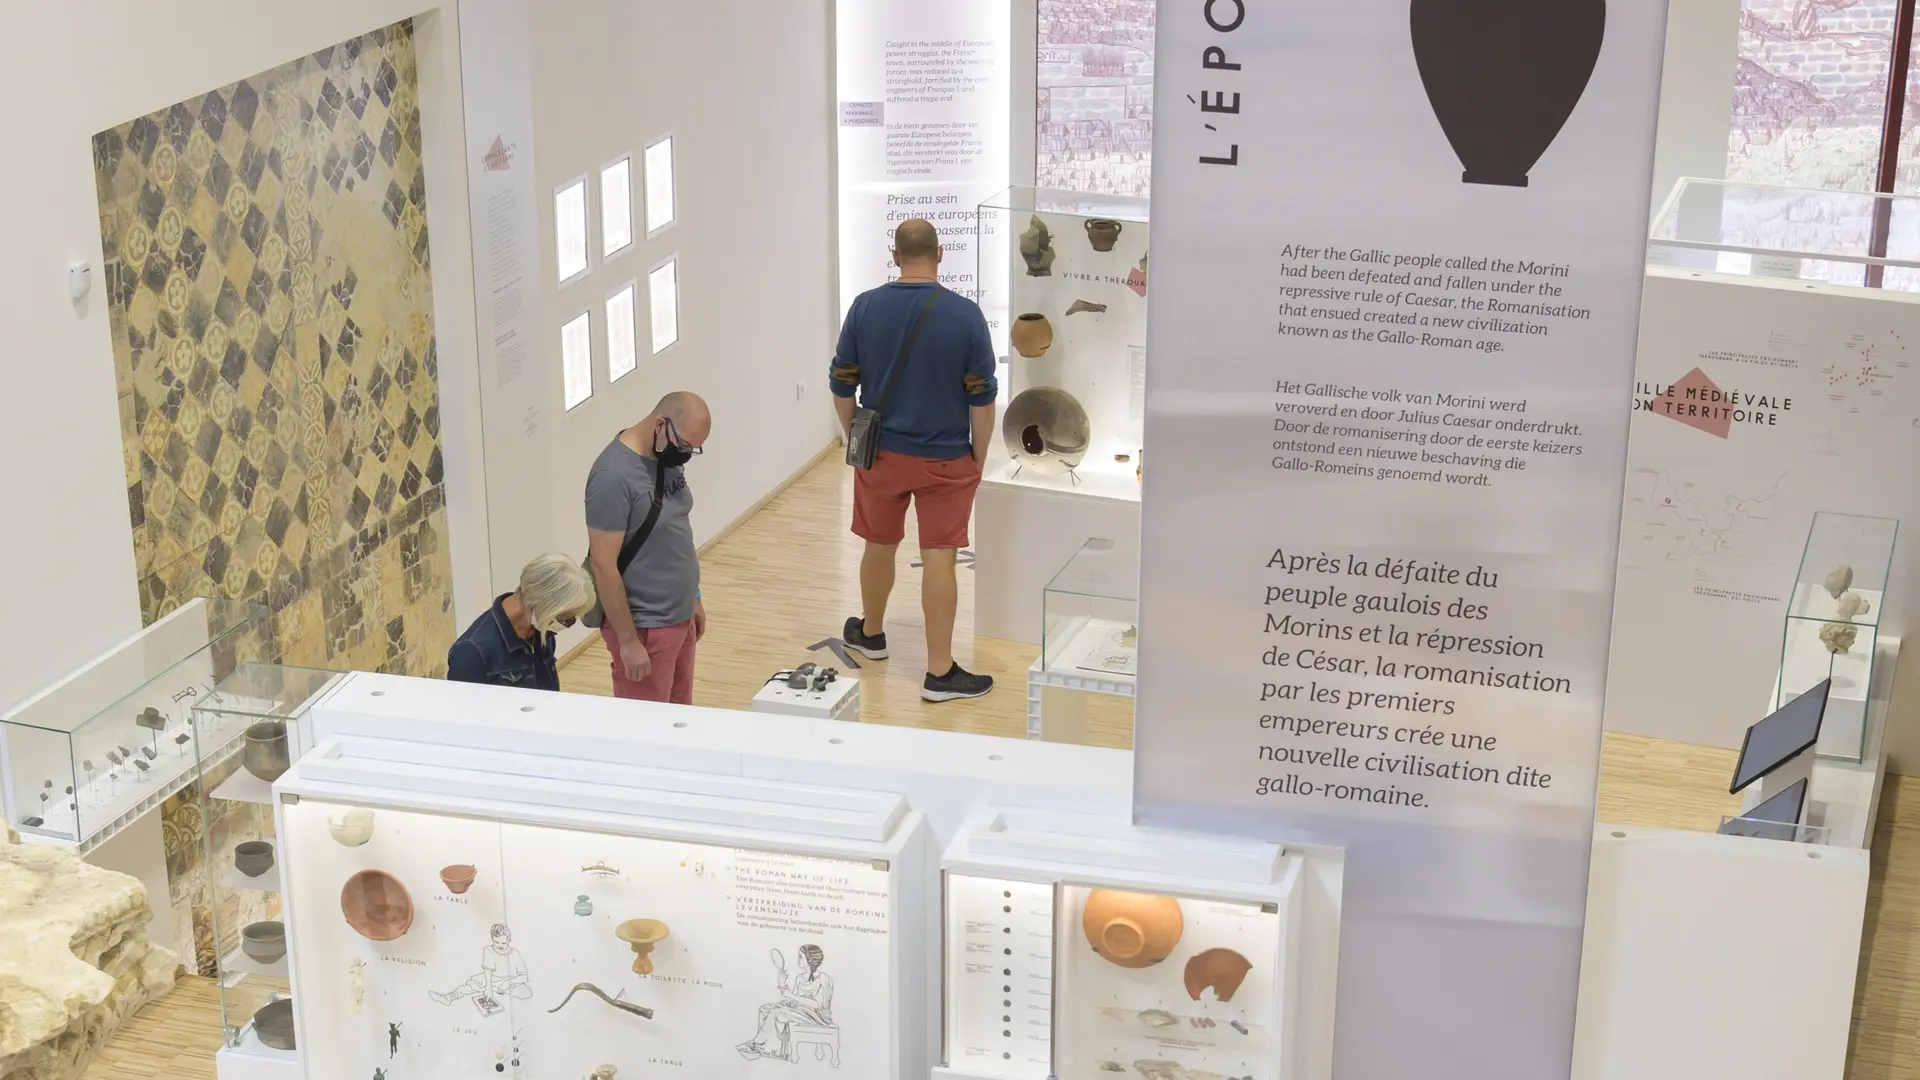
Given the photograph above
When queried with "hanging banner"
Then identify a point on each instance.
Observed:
(1397, 260)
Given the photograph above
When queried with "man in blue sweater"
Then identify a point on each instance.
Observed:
(934, 436)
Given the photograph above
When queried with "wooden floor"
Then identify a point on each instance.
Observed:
(789, 577)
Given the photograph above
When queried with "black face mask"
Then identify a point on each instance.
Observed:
(673, 455)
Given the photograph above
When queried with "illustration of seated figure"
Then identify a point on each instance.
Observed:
(502, 973)
(804, 1013)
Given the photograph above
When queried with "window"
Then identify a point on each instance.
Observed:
(660, 207)
(570, 229)
(576, 359)
(663, 293)
(622, 357)
(616, 208)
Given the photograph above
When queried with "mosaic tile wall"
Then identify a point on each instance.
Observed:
(270, 291)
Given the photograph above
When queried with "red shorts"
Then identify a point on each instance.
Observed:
(941, 492)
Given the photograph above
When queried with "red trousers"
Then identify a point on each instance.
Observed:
(671, 649)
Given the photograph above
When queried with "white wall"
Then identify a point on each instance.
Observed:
(73, 70)
(1696, 93)
(746, 92)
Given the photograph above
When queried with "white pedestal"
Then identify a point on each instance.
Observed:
(1025, 529)
(1058, 682)
(839, 701)
(253, 1060)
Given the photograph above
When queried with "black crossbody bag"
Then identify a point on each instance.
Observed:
(863, 435)
(631, 548)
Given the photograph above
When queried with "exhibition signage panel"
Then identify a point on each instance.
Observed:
(924, 128)
(1396, 279)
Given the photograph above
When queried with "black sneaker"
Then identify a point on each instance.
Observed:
(855, 635)
(956, 684)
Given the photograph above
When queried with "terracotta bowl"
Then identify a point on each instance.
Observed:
(643, 935)
(1132, 930)
(458, 878)
(376, 905)
(1222, 969)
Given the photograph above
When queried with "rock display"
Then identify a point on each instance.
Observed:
(75, 960)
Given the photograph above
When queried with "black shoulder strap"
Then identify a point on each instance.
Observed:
(906, 350)
(631, 548)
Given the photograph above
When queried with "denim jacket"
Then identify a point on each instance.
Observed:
(490, 652)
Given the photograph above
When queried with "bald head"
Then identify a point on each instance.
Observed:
(916, 243)
(689, 414)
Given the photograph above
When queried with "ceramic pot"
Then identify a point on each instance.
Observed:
(266, 754)
(1503, 76)
(264, 942)
(583, 906)
(643, 935)
(1132, 930)
(1032, 335)
(458, 878)
(1103, 233)
(1222, 969)
(1047, 430)
(273, 1024)
(351, 828)
(253, 858)
(376, 905)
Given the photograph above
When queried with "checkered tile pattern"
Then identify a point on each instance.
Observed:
(271, 297)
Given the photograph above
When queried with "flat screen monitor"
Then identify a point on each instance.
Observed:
(1789, 732)
(1777, 818)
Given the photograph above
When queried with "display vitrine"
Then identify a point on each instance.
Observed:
(478, 913)
(1075, 947)
(99, 749)
(1810, 234)
(247, 733)
(1063, 281)
(1832, 627)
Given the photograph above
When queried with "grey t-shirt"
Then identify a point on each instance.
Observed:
(664, 580)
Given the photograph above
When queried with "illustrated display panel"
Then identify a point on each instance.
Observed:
(440, 947)
(1064, 284)
(999, 997)
(1167, 988)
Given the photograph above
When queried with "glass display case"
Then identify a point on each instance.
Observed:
(1063, 281)
(1855, 238)
(247, 732)
(1091, 612)
(1078, 948)
(104, 746)
(466, 912)
(1833, 622)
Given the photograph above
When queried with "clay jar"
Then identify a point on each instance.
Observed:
(1132, 930)
(376, 905)
(458, 878)
(1032, 335)
(266, 753)
(643, 935)
(253, 857)
(1103, 233)
(264, 942)
(1222, 969)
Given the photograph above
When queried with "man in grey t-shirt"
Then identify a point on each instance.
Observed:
(654, 616)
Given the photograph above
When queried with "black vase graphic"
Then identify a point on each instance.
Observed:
(1504, 75)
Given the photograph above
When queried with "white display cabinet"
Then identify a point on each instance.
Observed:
(98, 750)
(1063, 281)
(1089, 638)
(1857, 238)
(1079, 947)
(464, 912)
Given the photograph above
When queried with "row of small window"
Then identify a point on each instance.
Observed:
(616, 209)
(576, 337)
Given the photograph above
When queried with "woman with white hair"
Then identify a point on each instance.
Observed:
(513, 643)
